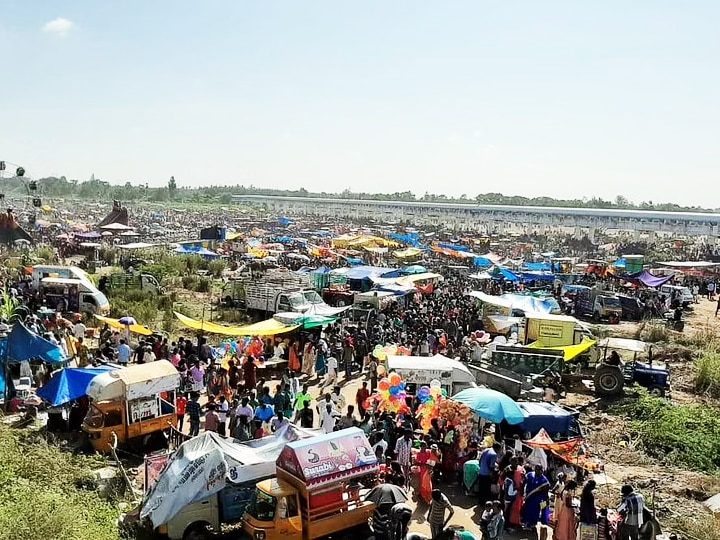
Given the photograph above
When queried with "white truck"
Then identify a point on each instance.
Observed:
(418, 371)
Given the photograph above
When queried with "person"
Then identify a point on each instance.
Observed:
(717, 306)
(242, 429)
(535, 509)
(565, 521)
(279, 421)
(83, 353)
(348, 420)
(613, 359)
(439, 504)
(332, 365)
(487, 462)
(306, 416)
(399, 515)
(301, 398)
(212, 420)
(193, 412)
(380, 445)
(222, 411)
(197, 374)
(631, 509)
(403, 452)
(337, 398)
(308, 359)
(79, 330)
(588, 513)
(485, 518)
(244, 409)
(372, 373)
(180, 408)
(249, 369)
(509, 490)
(124, 353)
(360, 397)
(294, 358)
(327, 419)
(497, 522)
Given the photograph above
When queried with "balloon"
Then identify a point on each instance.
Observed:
(423, 393)
(381, 371)
(384, 384)
(395, 379)
(435, 384)
(394, 390)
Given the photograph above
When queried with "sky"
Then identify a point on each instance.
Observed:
(558, 98)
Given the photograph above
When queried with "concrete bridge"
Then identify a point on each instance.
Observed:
(487, 218)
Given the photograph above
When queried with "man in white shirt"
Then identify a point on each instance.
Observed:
(327, 419)
(222, 411)
(79, 330)
(331, 377)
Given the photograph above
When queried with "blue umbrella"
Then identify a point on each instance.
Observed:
(414, 269)
(491, 405)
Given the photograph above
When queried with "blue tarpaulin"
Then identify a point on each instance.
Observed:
(620, 263)
(367, 272)
(537, 266)
(24, 345)
(194, 250)
(412, 239)
(546, 416)
(531, 304)
(453, 247)
(507, 274)
(537, 276)
(482, 262)
(69, 384)
(284, 221)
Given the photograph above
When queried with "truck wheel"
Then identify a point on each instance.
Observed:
(596, 316)
(340, 303)
(656, 390)
(608, 381)
(198, 532)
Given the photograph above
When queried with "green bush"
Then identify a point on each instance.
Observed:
(217, 267)
(688, 435)
(203, 285)
(45, 254)
(655, 333)
(707, 377)
(43, 493)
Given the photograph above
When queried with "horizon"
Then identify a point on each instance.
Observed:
(563, 100)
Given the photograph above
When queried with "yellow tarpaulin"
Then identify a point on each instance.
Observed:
(570, 351)
(269, 327)
(408, 253)
(134, 328)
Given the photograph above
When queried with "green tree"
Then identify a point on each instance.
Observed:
(172, 187)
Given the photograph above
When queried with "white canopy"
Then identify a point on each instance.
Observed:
(134, 382)
(203, 464)
(431, 367)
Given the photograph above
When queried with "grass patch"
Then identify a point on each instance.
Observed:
(707, 377)
(43, 493)
(687, 435)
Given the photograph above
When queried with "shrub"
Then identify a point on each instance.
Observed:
(44, 495)
(655, 333)
(216, 267)
(45, 254)
(688, 435)
(707, 377)
(203, 285)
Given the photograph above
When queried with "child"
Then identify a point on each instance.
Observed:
(497, 522)
(486, 518)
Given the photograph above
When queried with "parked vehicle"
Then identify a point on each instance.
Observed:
(316, 492)
(126, 281)
(132, 403)
(682, 294)
(632, 308)
(418, 371)
(610, 379)
(600, 305)
(73, 295)
(338, 295)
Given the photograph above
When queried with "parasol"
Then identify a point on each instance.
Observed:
(387, 494)
(491, 405)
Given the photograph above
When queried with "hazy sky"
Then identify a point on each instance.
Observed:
(558, 98)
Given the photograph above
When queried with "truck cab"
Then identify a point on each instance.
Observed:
(316, 491)
(131, 404)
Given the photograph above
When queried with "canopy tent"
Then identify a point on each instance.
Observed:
(323, 310)
(202, 465)
(196, 250)
(134, 328)
(408, 253)
(532, 304)
(544, 441)
(304, 320)
(647, 279)
(269, 327)
(569, 351)
(115, 227)
(136, 245)
(689, 264)
(69, 384)
(343, 454)
(23, 345)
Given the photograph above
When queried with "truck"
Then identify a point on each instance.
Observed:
(316, 490)
(418, 371)
(600, 305)
(73, 295)
(68, 288)
(132, 405)
(130, 280)
(276, 291)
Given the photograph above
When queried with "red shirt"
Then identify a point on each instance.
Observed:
(180, 404)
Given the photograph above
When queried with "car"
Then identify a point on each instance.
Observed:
(682, 293)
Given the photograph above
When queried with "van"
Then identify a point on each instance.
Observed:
(418, 371)
(73, 295)
(683, 294)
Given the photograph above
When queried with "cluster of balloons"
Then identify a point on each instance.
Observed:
(430, 398)
(458, 415)
(381, 353)
(390, 395)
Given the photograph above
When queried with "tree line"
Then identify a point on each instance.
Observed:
(96, 189)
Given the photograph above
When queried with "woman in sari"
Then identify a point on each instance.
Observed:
(294, 357)
(535, 509)
(424, 463)
(565, 521)
(518, 466)
(308, 360)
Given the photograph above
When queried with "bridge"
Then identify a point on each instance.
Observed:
(487, 218)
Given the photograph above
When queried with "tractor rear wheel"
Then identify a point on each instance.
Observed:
(609, 381)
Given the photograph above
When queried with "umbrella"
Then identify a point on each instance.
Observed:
(387, 494)
(128, 321)
(491, 405)
(116, 227)
(415, 269)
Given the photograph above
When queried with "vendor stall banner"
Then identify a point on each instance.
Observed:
(154, 466)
